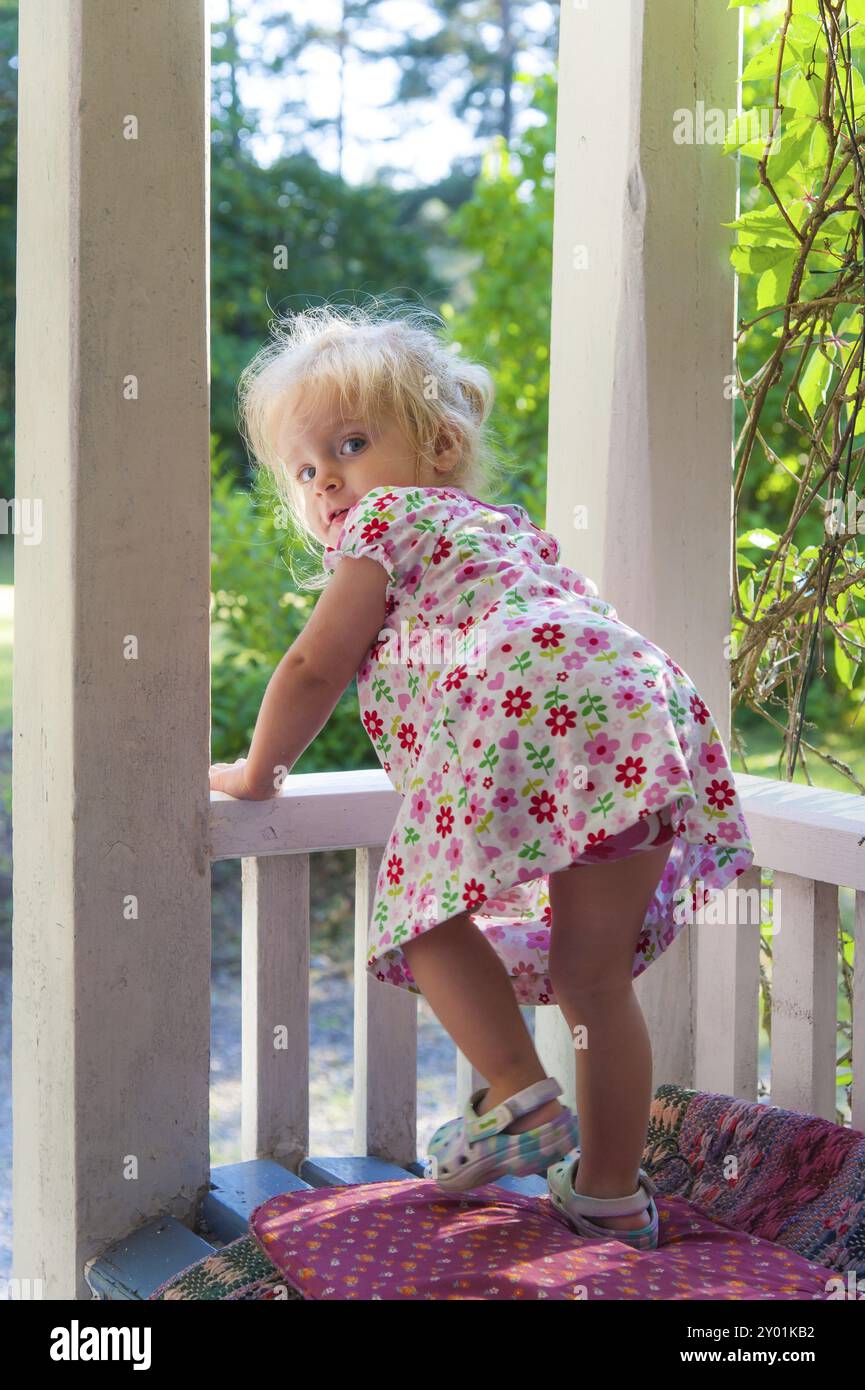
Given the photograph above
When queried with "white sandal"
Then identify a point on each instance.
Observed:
(577, 1208)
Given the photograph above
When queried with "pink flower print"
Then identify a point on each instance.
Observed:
(475, 809)
(563, 781)
(524, 968)
(524, 986)
(434, 784)
(420, 806)
(656, 795)
(602, 749)
(594, 639)
(428, 601)
(486, 708)
(626, 697)
(557, 834)
(466, 698)
(720, 794)
(512, 768)
(712, 757)
(412, 577)
(505, 799)
(454, 852)
(626, 673)
(470, 775)
(538, 940)
(494, 933)
(727, 830)
(671, 768)
(425, 901)
(574, 661)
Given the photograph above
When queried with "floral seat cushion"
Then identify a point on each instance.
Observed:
(755, 1202)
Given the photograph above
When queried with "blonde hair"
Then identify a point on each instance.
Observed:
(378, 362)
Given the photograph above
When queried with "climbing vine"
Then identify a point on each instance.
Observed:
(800, 245)
(802, 240)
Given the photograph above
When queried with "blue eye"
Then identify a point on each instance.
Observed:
(354, 437)
(303, 470)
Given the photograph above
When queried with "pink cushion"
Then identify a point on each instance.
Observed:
(408, 1239)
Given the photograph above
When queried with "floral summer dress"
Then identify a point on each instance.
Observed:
(524, 725)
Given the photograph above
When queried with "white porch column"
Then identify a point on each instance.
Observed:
(642, 329)
(111, 1018)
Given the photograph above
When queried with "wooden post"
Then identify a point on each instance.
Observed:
(111, 1003)
(641, 417)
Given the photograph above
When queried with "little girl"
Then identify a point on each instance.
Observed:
(565, 790)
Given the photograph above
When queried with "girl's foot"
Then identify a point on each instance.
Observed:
(541, 1116)
(616, 1223)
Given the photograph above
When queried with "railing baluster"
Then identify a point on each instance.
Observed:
(468, 1080)
(804, 995)
(385, 1042)
(554, 1043)
(275, 1010)
(728, 978)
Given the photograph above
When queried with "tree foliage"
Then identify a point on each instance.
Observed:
(800, 433)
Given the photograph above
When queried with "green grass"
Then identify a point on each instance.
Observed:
(761, 747)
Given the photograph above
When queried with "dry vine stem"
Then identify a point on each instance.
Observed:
(794, 599)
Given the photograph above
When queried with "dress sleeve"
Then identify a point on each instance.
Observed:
(389, 525)
(549, 548)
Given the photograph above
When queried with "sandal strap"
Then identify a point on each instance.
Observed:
(497, 1119)
(611, 1206)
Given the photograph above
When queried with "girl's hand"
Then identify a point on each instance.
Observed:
(231, 778)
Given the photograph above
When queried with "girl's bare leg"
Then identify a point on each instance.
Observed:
(472, 995)
(598, 913)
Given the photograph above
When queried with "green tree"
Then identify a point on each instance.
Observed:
(508, 227)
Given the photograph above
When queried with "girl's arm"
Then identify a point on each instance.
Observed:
(309, 680)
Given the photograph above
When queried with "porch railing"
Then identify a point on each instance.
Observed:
(812, 840)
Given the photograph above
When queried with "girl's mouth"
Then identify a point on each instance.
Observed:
(336, 516)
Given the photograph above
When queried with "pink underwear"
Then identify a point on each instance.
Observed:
(652, 830)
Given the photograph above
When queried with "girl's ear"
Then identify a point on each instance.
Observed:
(447, 446)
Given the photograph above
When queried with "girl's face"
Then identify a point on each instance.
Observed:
(333, 462)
